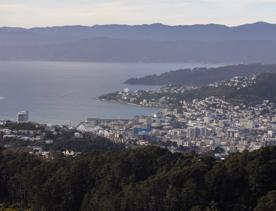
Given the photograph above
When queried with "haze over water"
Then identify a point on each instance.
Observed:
(66, 92)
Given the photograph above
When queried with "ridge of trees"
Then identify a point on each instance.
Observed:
(202, 76)
(147, 178)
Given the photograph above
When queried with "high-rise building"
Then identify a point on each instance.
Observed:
(23, 116)
(193, 132)
(197, 132)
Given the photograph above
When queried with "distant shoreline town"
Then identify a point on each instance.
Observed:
(221, 118)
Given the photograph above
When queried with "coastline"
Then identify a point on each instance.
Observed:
(128, 103)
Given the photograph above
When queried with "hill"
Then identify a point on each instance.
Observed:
(202, 76)
(246, 90)
(251, 43)
(263, 89)
(156, 31)
(142, 179)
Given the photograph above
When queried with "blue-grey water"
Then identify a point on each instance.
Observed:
(66, 92)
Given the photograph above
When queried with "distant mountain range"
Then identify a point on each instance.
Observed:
(142, 43)
(202, 76)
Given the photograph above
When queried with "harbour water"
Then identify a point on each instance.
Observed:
(66, 92)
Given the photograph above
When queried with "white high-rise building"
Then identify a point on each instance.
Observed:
(23, 116)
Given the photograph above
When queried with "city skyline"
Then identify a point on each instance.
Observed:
(174, 12)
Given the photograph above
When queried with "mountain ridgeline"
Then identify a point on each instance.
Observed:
(202, 76)
(250, 43)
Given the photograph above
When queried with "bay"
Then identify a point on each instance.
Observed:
(66, 92)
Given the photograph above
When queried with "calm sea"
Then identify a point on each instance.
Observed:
(66, 92)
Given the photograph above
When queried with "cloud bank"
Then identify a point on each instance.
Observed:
(83, 12)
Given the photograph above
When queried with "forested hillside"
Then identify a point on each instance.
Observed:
(263, 89)
(202, 76)
(143, 179)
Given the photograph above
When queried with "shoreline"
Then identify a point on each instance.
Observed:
(127, 103)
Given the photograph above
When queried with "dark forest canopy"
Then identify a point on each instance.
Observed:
(143, 179)
(202, 76)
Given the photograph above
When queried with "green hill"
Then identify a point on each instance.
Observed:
(263, 89)
(202, 76)
(143, 179)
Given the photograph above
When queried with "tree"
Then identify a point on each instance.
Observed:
(267, 202)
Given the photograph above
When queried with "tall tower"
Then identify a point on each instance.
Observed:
(23, 116)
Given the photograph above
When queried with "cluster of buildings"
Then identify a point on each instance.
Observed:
(171, 95)
(202, 126)
(208, 125)
(36, 138)
(211, 124)
(237, 82)
(162, 98)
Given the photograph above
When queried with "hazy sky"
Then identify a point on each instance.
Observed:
(28, 13)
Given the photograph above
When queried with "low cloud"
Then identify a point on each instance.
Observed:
(84, 12)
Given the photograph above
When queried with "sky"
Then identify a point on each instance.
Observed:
(32, 13)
